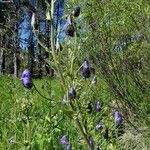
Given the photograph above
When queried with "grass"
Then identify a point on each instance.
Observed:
(27, 117)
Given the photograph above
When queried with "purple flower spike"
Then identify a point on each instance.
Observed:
(118, 118)
(72, 93)
(69, 147)
(94, 81)
(99, 126)
(26, 79)
(98, 106)
(64, 140)
(86, 69)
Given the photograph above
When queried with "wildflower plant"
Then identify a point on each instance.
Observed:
(109, 36)
(83, 111)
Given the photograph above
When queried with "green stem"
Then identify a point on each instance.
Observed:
(81, 128)
(61, 75)
(29, 134)
(40, 93)
(83, 134)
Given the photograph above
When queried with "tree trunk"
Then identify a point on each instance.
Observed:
(15, 64)
(1, 61)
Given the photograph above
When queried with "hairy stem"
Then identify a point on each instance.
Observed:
(61, 75)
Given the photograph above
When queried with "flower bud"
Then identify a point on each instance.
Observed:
(64, 140)
(86, 69)
(76, 11)
(72, 93)
(118, 118)
(98, 106)
(99, 126)
(26, 79)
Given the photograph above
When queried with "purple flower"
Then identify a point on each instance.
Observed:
(69, 27)
(118, 118)
(72, 93)
(86, 72)
(76, 11)
(86, 69)
(94, 81)
(99, 126)
(86, 64)
(64, 140)
(26, 79)
(69, 147)
(98, 106)
(26, 74)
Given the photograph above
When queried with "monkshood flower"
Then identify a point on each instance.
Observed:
(76, 11)
(86, 69)
(86, 64)
(69, 27)
(72, 93)
(64, 99)
(64, 140)
(118, 118)
(94, 81)
(26, 79)
(99, 126)
(98, 106)
(69, 147)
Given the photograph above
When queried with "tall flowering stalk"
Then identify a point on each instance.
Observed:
(71, 93)
(80, 126)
